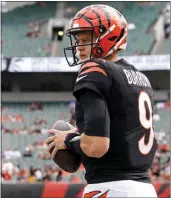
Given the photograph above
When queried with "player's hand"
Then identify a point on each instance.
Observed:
(56, 140)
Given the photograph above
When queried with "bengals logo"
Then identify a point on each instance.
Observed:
(96, 192)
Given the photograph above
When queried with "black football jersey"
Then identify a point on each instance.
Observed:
(128, 95)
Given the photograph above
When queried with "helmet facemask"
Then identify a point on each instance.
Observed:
(73, 53)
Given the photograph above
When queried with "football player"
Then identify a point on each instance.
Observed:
(116, 141)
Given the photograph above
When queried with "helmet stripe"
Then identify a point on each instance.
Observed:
(98, 16)
(104, 14)
(87, 19)
(107, 16)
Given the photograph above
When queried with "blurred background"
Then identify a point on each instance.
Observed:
(37, 83)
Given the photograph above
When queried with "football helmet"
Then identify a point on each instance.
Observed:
(107, 23)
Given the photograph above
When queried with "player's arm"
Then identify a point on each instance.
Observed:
(91, 89)
(94, 141)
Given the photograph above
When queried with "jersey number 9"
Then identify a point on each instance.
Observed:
(147, 123)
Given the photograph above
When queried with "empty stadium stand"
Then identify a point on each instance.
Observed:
(15, 27)
(50, 112)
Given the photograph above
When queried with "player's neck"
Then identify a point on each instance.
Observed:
(113, 57)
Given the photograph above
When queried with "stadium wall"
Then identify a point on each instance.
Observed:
(61, 190)
(36, 96)
(56, 96)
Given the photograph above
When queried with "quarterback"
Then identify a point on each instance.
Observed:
(116, 141)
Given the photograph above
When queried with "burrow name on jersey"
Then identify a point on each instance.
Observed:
(136, 78)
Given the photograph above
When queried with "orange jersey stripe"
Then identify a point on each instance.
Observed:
(89, 64)
(94, 69)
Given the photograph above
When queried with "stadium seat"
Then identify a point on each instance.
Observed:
(15, 27)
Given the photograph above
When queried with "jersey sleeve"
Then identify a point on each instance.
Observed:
(92, 76)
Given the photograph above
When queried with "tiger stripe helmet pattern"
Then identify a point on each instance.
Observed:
(107, 23)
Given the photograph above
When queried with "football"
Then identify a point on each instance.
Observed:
(65, 159)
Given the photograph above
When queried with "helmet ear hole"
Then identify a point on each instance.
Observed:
(98, 50)
(102, 29)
